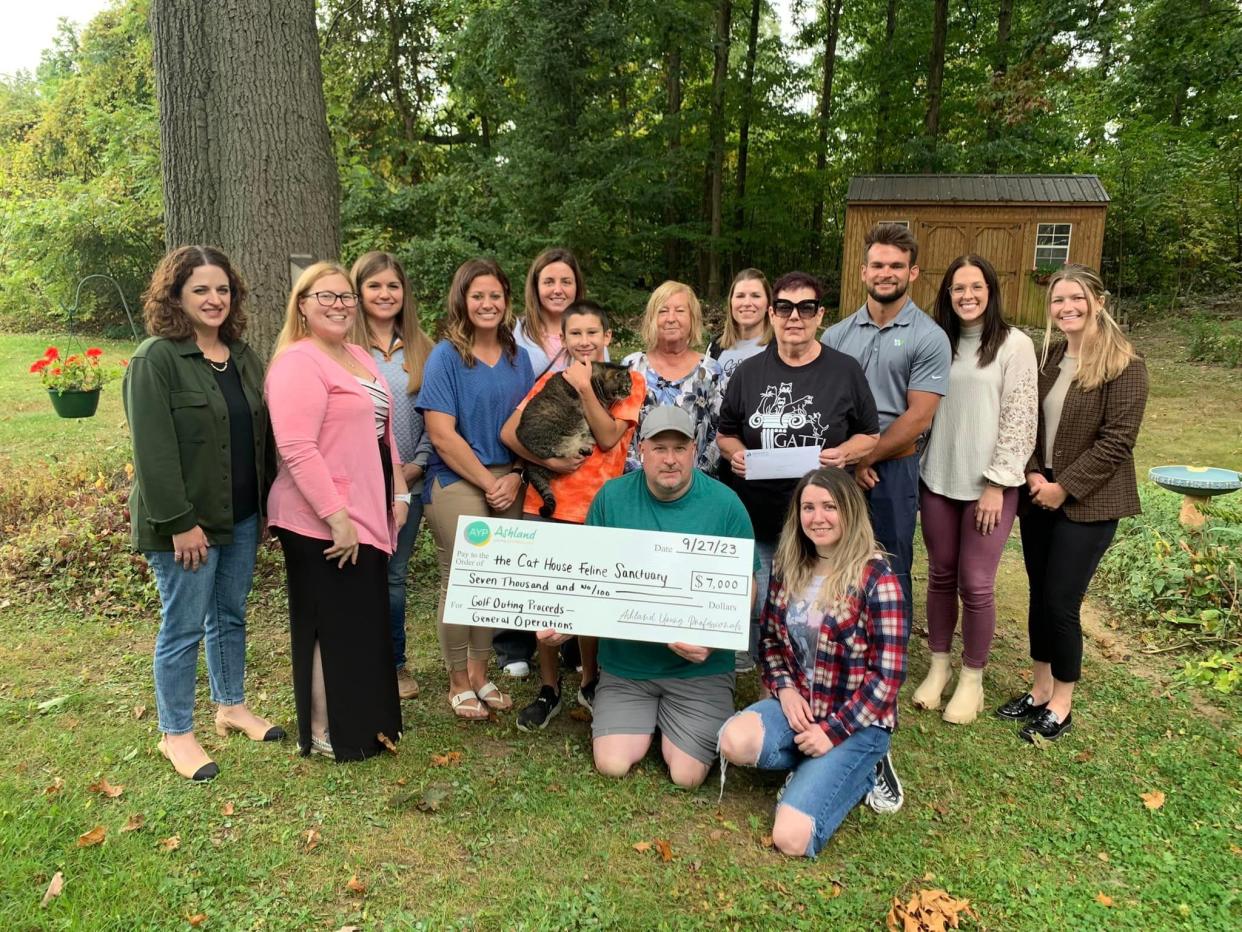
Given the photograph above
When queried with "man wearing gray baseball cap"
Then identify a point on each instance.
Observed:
(683, 689)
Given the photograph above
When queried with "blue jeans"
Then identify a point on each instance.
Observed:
(894, 507)
(824, 789)
(208, 603)
(398, 572)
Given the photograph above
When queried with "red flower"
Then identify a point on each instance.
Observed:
(40, 365)
(51, 353)
(124, 363)
(56, 371)
(71, 360)
(94, 352)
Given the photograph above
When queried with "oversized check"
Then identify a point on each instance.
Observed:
(601, 582)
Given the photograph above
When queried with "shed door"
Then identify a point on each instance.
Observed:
(943, 240)
(1000, 243)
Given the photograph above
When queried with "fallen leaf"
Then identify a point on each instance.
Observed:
(716, 834)
(94, 837)
(832, 892)
(641, 846)
(1152, 800)
(694, 866)
(1103, 856)
(451, 759)
(386, 742)
(350, 929)
(555, 788)
(579, 714)
(1039, 740)
(402, 781)
(665, 849)
(140, 711)
(928, 877)
(1084, 755)
(54, 787)
(197, 919)
(929, 910)
(171, 843)
(134, 823)
(45, 707)
(766, 841)
(310, 839)
(941, 808)
(227, 809)
(107, 789)
(1104, 899)
(434, 797)
(356, 886)
(54, 887)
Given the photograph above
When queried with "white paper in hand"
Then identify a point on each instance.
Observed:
(782, 463)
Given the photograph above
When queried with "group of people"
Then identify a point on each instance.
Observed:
(361, 427)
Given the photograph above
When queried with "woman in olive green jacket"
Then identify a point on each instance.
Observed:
(193, 395)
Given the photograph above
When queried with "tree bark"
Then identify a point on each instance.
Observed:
(833, 8)
(1000, 69)
(883, 97)
(246, 156)
(672, 84)
(935, 81)
(743, 133)
(720, 74)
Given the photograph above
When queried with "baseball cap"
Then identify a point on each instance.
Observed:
(666, 417)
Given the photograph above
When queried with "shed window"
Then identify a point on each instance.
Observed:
(1052, 241)
(900, 223)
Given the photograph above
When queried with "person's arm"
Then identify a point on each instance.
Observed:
(146, 392)
(854, 450)
(1019, 419)
(456, 452)
(606, 429)
(772, 663)
(888, 635)
(417, 466)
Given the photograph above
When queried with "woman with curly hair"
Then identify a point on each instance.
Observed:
(193, 396)
(474, 379)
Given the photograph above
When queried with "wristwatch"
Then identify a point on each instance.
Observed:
(402, 497)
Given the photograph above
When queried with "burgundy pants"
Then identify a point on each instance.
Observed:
(963, 565)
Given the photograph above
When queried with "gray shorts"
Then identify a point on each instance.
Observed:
(689, 712)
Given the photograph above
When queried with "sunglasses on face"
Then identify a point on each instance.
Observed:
(808, 308)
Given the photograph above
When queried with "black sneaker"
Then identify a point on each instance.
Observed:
(886, 796)
(1021, 709)
(586, 695)
(1047, 726)
(536, 716)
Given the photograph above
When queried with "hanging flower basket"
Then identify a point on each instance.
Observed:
(75, 403)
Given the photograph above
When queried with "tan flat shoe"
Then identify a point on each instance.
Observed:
(198, 770)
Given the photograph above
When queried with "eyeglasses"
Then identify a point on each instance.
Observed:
(329, 298)
(806, 308)
(975, 288)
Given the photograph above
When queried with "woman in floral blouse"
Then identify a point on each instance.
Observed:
(676, 373)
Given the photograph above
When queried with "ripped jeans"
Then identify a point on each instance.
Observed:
(826, 788)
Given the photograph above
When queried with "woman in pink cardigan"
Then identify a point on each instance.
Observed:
(336, 506)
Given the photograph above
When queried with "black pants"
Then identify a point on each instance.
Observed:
(1061, 557)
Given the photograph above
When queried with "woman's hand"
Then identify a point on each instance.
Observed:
(503, 492)
(565, 464)
(552, 637)
(834, 456)
(400, 514)
(813, 742)
(797, 710)
(988, 509)
(190, 548)
(1050, 495)
(344, 539)
(737, 462)
(578, 376)
(412, 472)
(1033, 481)
(691, 652)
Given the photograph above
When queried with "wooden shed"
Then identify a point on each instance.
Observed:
(1020, 223)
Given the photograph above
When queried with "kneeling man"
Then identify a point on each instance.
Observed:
(685, 690)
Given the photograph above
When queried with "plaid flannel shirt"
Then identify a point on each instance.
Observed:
(860, 659)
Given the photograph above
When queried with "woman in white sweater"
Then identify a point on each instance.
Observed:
(981, 439)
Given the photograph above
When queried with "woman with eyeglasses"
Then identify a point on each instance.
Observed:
(337, 505)
(796, 393)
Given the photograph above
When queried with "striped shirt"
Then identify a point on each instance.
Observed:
(860, 657)
(379, 401)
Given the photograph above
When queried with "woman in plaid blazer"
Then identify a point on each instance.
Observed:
(1079, 482)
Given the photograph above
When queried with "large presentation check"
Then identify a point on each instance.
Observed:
(601, 582)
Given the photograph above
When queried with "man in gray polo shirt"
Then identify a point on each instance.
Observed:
(906, 357)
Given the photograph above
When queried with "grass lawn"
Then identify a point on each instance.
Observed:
(481, 826)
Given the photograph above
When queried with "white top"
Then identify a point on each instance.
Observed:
(1054, 402)
(739, 351)
(984, 429)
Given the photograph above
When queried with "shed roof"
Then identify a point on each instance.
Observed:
(1034, 189)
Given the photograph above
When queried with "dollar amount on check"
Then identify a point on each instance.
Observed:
(601, 582)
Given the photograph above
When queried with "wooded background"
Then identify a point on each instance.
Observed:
(679, 138)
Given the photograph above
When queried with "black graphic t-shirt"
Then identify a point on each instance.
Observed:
(770, 404)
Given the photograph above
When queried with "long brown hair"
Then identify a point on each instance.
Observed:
(796, 557)
(295, 327)
(161, 302)
(1105, 351)
(730, 335)
(458, 329)
(535, 323)
(995, 330)
(415, 342)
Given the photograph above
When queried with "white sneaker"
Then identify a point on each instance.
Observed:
(519, 669)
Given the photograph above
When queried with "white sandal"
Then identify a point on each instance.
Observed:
(467, 695)
(488, 689)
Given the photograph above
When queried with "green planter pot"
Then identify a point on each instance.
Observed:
(74, 404)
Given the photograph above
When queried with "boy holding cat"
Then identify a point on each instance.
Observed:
(586, 334)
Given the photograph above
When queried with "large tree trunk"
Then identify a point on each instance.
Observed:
(743, 132)
(720, 74)
(935, 81)
(247, 160)
(883, 97)
(1000, 69)
(833, 9)
(672, 79)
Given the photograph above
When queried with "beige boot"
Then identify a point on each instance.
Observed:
(927, 696)
(967, 701)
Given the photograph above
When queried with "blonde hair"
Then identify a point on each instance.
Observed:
(457, 327)
(535, 325)
(295, 328)
(659, 298)
(415, 342)
(1105, 352)
(796, 557)
(730, 335)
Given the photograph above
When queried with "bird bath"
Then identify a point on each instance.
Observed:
(1197, 484)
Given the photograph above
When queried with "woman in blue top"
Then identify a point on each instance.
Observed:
(389, 327)
(474, 379)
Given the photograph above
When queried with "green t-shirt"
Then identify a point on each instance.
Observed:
(707, 507)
